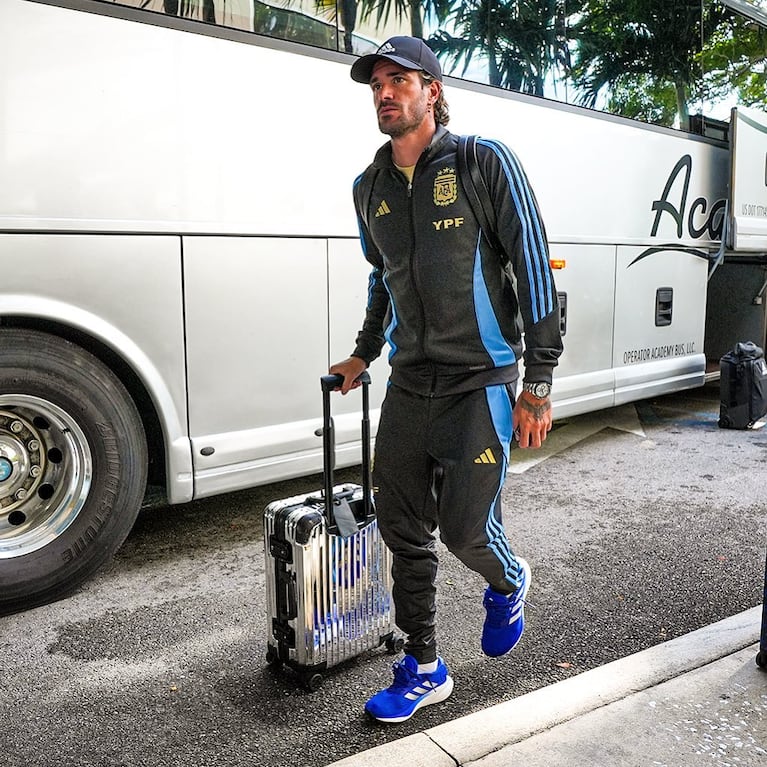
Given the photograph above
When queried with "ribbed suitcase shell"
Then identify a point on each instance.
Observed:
(328, 596)
(337, 590)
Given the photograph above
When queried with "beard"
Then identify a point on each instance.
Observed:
(406, 122)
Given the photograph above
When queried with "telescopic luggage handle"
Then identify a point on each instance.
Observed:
(334, 381)
(328, 384)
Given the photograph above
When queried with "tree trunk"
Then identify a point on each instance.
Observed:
(682, 107)
(348, 10)
(493, 72)
(416, 23)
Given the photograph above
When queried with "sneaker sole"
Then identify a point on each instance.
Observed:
(528, 576)
(435, 696)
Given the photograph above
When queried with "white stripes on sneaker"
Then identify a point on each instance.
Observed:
(422, 689)
(516, 611)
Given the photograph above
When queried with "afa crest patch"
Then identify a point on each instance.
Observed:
(445, 187)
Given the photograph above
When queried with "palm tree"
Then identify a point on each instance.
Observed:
(403, 10)
(522, 41)
(641, 46)
(185, 8)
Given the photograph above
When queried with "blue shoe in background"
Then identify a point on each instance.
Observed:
(505, 619)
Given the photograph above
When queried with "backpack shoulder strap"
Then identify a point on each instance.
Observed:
(476, 190)
(367, 183)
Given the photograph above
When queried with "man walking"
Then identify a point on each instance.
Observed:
(449, 306)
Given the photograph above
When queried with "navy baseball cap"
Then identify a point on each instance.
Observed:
(409, 52)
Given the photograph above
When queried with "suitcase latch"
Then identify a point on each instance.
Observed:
(281, 550)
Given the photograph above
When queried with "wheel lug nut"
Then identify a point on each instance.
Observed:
(16, 426)
(35, 471)
(21, 494)
(33, 445)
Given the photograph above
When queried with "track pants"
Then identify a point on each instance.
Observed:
(440, 463)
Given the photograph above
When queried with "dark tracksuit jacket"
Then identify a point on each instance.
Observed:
(437, 291)
(453, 317)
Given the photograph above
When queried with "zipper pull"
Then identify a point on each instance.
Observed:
(409, 189)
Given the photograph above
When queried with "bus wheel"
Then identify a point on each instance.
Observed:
(73, 465)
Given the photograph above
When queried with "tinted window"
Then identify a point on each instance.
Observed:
(678, 63)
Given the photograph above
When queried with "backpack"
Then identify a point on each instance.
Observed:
(479, 196)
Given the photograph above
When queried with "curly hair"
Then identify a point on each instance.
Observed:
(441, 109)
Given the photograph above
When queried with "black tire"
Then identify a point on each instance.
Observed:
(73, 467)
(394, 645)
(761, 659)
(273, 657)
(312, 681)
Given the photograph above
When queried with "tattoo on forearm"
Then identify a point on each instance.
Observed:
(537, 411)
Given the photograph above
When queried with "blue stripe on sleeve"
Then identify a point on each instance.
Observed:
(392, 325)
(371, 283)
(533, 241)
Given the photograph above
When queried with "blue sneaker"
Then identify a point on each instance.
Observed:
(409, 691)
(505, 620)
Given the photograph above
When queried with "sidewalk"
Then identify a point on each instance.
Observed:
(696, 700)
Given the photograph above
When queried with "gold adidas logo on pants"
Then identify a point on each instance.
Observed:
(486, 457)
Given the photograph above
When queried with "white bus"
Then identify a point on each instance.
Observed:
(179, 256)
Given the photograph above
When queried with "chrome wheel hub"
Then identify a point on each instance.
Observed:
(45, 473)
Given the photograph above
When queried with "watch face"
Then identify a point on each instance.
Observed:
(540, 390)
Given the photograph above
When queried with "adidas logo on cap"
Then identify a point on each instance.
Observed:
(408, 52)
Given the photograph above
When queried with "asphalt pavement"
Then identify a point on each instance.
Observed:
(700, 699)
(642, 524)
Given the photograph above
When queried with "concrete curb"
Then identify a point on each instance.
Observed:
(474, 736)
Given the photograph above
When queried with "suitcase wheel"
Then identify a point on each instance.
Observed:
(312, 681)
(273, 657)
(761, 659)
(394, 644)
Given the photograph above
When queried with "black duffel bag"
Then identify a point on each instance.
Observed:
(742, 386)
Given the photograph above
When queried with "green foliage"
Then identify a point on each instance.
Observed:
(652, 46)
(646, 59)
(735, 60)
(520, 41)
(642, 98)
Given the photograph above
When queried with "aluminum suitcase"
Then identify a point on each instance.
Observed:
(328, 571)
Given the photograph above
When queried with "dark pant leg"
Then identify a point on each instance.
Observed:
(406, 510)
(471, 437)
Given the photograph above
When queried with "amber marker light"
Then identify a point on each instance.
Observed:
(558, 263)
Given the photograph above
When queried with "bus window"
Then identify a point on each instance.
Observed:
(321, 24)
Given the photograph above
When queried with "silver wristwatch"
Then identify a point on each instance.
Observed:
(538, 389)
